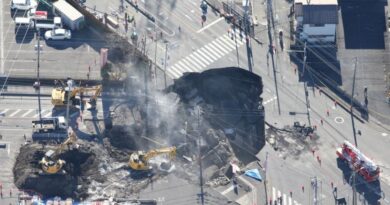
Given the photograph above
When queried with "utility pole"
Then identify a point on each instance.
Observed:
(246, 31)
(165, 65)
(305, 85)
(200, 160)
(38, 77)
(155, 56)
(354, 195)
(271, 47)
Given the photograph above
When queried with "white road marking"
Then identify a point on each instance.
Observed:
(189, 65)
(210, 52)
(205, 61)
(289, 201)
(279, 193)
(48, 114)
(209, 25)
(36, 115)
(14, 113)
(4, 111)
(211, 58)
(225, 43)
(222, 49)
(284, 199)
(211, 45)
(192, 66)
(227, 190)
(28, 112)
(384, 134)
(173, 71)
(196, 59)
(273, 193)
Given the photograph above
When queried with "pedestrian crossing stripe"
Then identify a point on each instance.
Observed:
(188, 66)
(221, 49)
(277, 194)
(195, 62)
(206, 55)
(181, 67)
(14, 113)
(203, 52)
(174, 71)
(227, 46)
(211, 45)
(200, 58)
(211, 51)
(25, 114)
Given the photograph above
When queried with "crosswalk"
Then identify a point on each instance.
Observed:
(198, 60)
(286, 199)
(31, 113)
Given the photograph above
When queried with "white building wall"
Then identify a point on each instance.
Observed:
(326, 33)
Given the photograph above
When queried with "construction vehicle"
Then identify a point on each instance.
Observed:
(139, 160)
(358, 162)
(49, 129)
(51, 164)
(65, 94)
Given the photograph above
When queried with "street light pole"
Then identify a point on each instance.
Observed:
(271, 50)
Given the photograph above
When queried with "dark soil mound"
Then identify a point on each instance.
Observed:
(81, 166)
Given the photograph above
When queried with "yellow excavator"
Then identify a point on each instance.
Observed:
(139, 160)
(50, 163)
(64, 93)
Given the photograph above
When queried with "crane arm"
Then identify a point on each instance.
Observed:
(171, 151)
(72, 138)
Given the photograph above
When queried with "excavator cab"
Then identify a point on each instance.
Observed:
(139, 160)
(50, 163)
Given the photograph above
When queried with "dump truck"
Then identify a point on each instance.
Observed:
(51, 129)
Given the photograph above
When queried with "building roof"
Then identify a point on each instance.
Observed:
(317, 2)
(320, 14)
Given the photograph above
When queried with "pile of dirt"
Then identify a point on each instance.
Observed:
(81, 167)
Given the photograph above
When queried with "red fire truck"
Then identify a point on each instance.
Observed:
(358, 162)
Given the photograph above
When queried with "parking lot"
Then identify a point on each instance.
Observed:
(59, 58)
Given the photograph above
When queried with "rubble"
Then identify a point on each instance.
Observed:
(213, 113)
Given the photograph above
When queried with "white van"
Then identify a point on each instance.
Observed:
(23, 23)
(23, 4)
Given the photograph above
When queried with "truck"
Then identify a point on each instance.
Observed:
(48, 24)
(358, 162)
(70, 16)
(49, 130)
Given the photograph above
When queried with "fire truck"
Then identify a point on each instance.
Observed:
(358, 162)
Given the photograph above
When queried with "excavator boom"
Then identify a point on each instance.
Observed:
(140, 160)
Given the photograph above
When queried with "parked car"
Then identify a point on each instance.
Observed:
(58, 34)
(23, 4)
